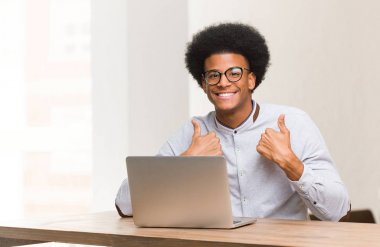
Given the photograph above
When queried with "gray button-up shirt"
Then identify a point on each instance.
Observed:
(258, 187)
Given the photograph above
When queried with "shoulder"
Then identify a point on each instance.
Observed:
(273, 109)
(294, 117)
(304, 132)
(180, 140)
(205, 122)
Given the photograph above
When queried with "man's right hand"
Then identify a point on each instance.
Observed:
(207, 145)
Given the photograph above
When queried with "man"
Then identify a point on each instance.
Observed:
(276, 168)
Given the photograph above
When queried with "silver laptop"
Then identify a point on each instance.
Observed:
(187, 192)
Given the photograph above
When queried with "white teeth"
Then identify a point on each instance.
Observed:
(225, 94)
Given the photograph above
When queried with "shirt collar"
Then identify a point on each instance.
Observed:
(245, 125)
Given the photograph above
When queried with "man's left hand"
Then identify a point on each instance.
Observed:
(275, 146)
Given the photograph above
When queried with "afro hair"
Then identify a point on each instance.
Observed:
(228, 37)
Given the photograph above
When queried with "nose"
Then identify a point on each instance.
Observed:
(224, 82)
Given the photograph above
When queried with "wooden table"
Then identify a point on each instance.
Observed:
(107, 228)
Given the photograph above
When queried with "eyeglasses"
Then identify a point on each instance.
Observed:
(233, 74)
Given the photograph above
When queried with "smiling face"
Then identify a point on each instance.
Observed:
(230, 97)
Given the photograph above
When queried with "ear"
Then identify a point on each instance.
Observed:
(251, 81)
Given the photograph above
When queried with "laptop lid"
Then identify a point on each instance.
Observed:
(180, 192)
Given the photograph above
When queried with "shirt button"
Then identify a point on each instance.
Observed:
(235, 132)
(245, 200)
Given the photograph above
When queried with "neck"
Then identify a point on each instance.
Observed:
(234, 119)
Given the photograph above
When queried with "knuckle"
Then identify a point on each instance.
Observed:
(258, 148)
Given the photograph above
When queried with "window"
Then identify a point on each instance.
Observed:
(45, 102)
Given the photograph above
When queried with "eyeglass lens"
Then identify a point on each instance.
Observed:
(233, 75)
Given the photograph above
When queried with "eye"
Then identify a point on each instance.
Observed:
(235, 72)
(212, 75)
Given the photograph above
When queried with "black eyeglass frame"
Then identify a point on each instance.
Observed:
(225, 74)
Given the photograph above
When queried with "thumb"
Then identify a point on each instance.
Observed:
(281, 124)
(197, 128)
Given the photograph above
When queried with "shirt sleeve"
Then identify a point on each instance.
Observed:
(179, 142)
(320, 185)
(123, 200)
(166, 150)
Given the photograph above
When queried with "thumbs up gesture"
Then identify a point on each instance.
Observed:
(275, 146)
(206, 145)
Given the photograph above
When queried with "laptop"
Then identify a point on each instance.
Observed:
(188, 192)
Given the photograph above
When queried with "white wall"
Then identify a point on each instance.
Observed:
(109, 98)
(325, 60)
(140, 86)
(157, 79)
